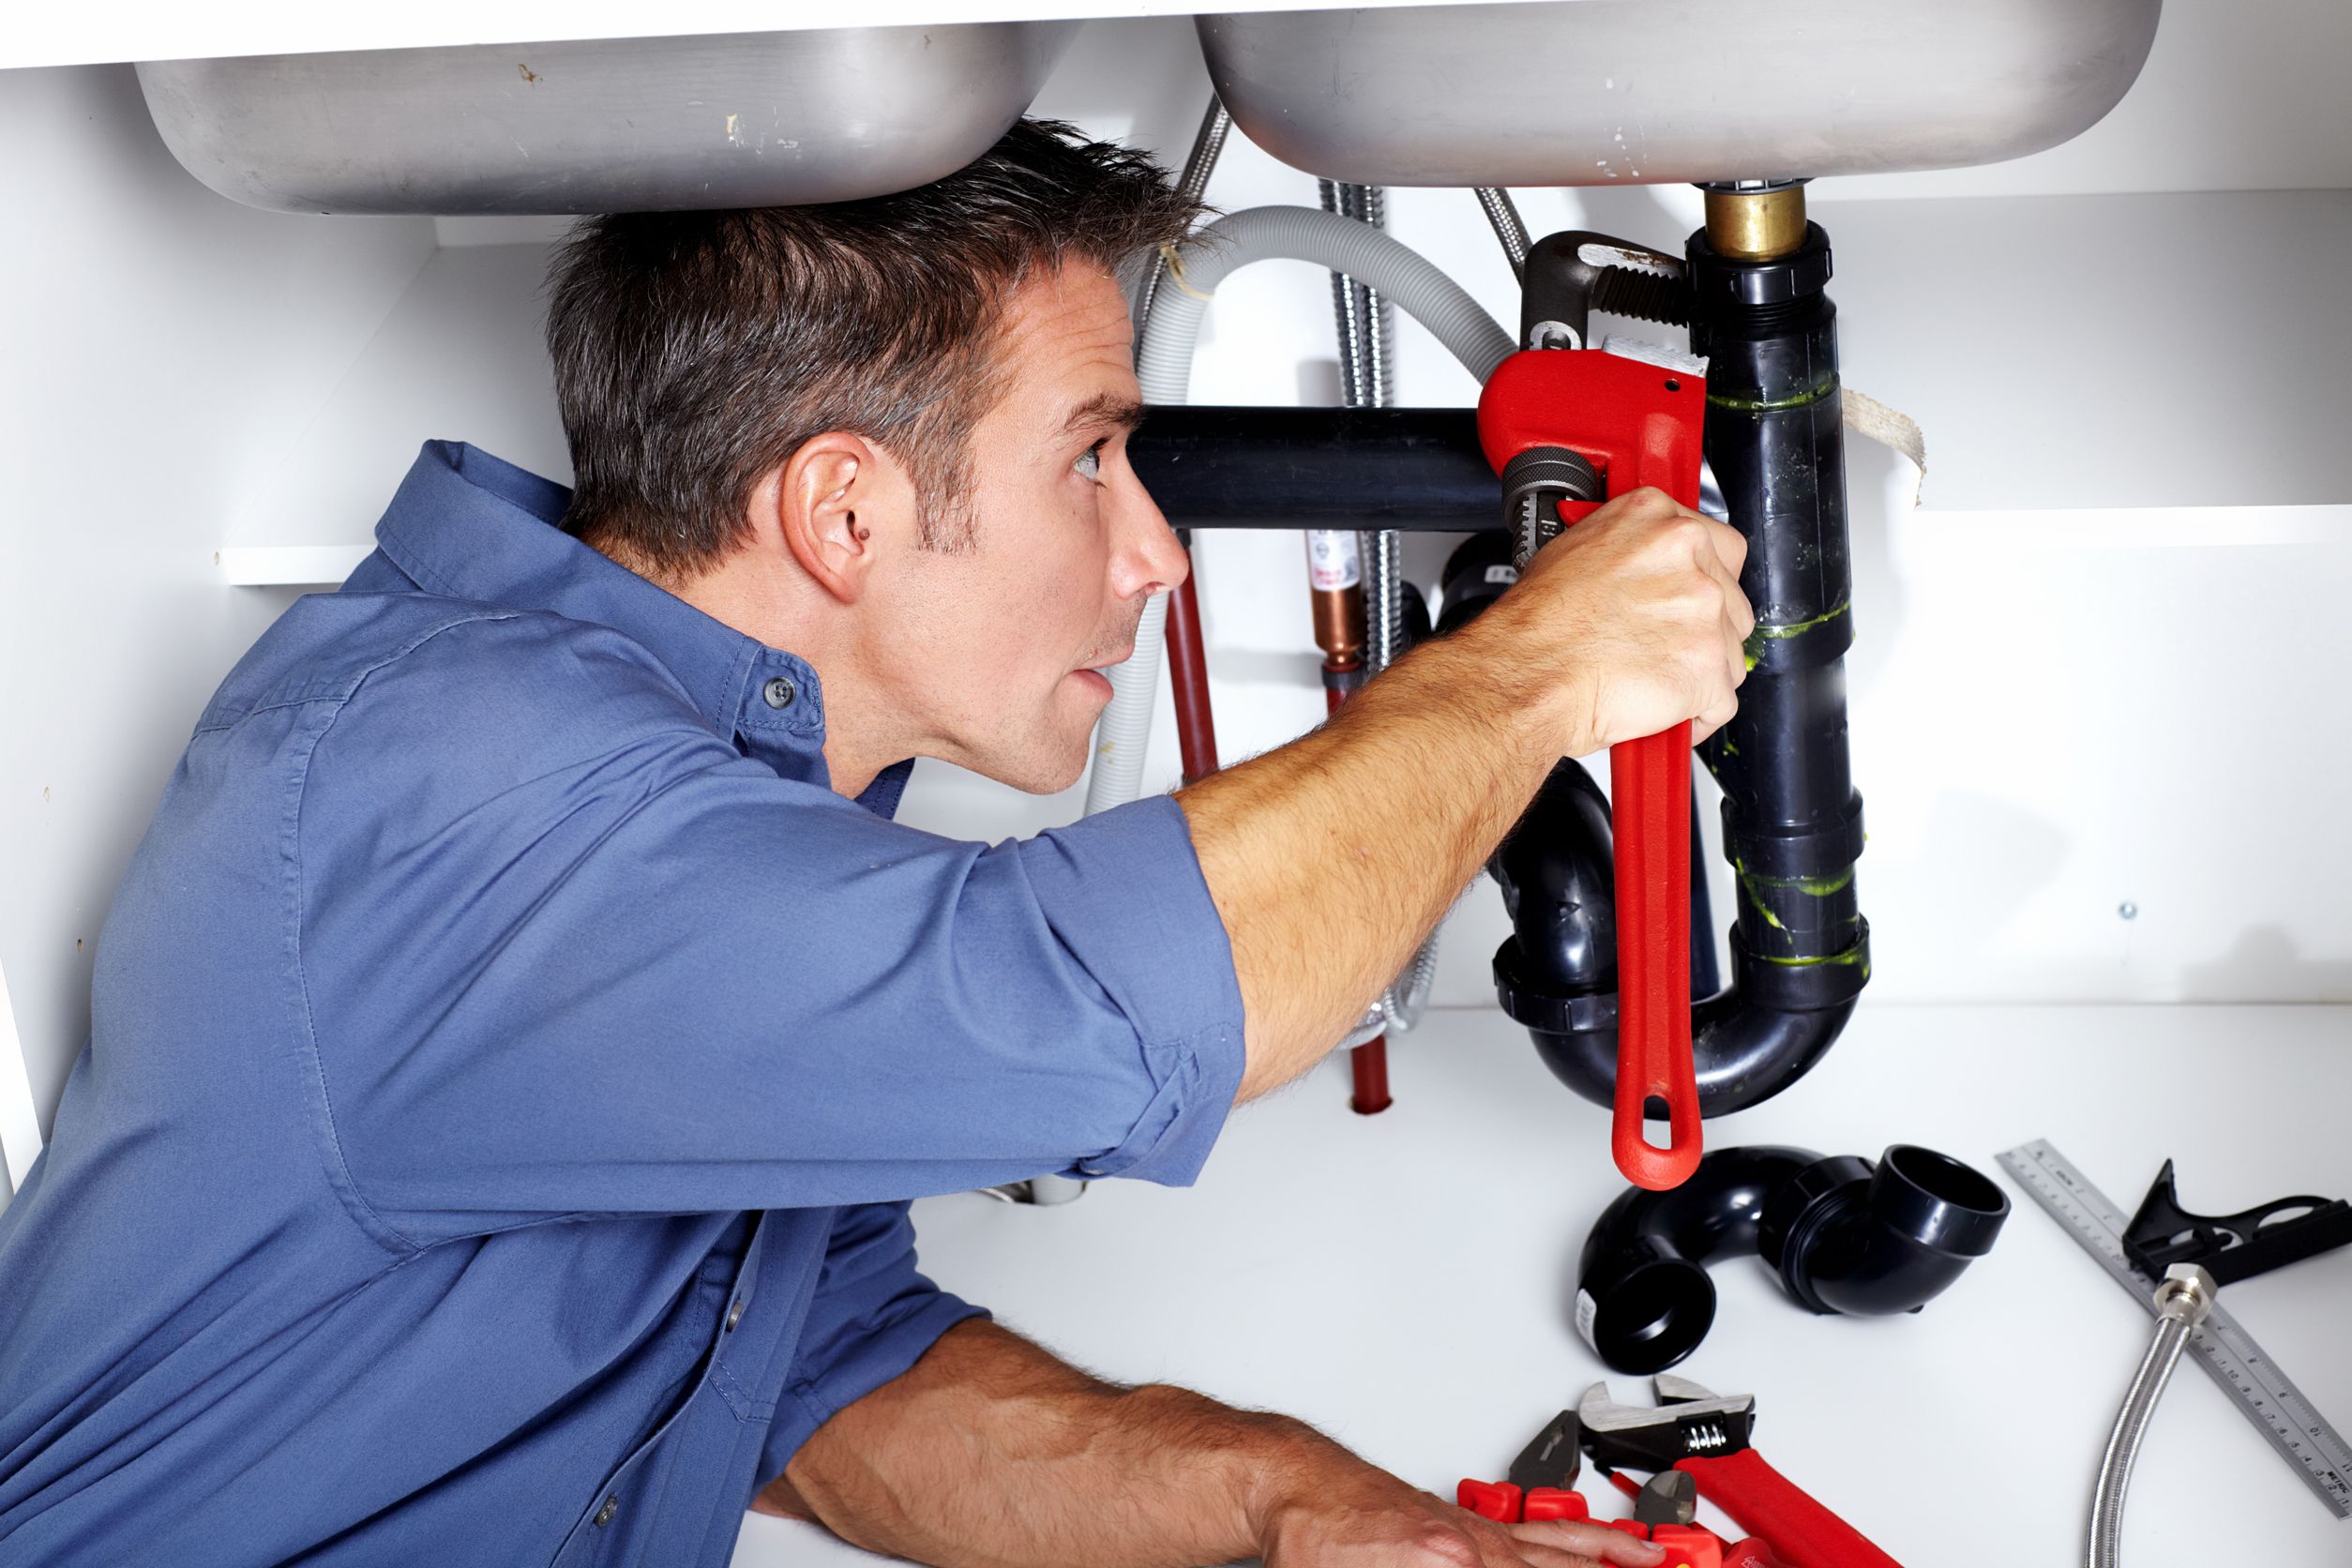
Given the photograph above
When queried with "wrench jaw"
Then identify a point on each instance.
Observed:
(1688, 1422)
(1667, 1389)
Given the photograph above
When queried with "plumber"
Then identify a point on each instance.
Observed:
(517, 1040)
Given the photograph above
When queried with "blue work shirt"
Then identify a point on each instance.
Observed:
(510, 1062)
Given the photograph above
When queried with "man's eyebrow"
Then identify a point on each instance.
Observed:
(1105, 411)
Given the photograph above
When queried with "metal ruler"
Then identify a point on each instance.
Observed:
(2253, 1383)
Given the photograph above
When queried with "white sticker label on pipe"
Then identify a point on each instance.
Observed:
(1586, 1310)
(1333, 560)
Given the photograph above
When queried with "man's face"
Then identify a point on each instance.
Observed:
(1006, 639)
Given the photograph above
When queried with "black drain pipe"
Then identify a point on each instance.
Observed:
(1792, 822)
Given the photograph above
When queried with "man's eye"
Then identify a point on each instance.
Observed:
(1089, 463)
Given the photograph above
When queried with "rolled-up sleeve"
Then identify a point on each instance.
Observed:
(872, 1317)
(562, 951)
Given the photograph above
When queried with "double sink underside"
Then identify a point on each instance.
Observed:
(1562, 92)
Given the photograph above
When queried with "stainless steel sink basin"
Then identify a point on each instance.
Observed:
(1596, 92)
(749, 119)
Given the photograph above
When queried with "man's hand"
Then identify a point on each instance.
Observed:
(1637, 612)
(1365, 1518)
(1331, 857)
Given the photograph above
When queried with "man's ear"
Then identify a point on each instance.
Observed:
(828, 499)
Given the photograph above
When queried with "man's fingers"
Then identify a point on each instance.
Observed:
(1731, 546)
(1724, 568)
(1725, 544)
(1742, 613)
(1590, 1539)
(1530, 1556)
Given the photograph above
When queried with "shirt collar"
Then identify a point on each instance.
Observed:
(469, 525)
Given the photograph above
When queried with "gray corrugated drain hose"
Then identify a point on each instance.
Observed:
(1164, 365)
(1399, 274)
(1121, 733)
(1331, 242)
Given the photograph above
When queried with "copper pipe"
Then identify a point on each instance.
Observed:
(1367, 1064)
(1339, 626)
(1335, 578)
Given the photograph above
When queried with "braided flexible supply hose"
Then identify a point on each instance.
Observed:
(2182, 1300)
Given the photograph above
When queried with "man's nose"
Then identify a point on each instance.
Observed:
(1151, 559)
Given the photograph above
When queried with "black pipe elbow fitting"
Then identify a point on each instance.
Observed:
(1556, 972)
(1845, 1236)
(1748, 1041)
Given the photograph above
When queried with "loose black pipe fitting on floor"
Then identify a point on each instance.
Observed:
(1792, 822)
(1845, 1236)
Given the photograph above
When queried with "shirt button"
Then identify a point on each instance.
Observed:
(779, 693)
(734, 1314)
(603, 1514)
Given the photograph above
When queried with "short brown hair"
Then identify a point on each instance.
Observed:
(695, 350)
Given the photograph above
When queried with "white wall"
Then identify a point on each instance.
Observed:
(2058, 706)
(164, 350)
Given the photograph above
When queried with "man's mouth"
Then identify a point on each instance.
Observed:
(1098, 673)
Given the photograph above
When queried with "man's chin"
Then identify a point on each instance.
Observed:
(1052, 756)
(1046, 769)
(1030, 780)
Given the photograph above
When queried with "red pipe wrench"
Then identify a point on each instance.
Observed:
(1545, 414)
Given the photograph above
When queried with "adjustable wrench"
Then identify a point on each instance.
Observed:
(1706, 1436)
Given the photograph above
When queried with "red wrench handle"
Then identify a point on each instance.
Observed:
(1650, 790)
(1764, 1503)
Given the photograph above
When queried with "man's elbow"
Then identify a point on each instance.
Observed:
(780, 1498)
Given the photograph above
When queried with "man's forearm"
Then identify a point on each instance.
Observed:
(1331, 858)
(991, 1451)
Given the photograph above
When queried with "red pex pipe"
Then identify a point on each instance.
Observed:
(1188, 678)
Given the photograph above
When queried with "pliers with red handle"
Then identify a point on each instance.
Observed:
(1542, 1485)
(1705, 1435)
